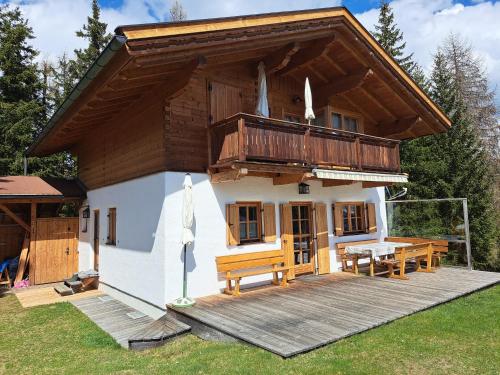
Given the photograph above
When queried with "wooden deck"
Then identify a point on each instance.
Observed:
(45, 295)
(129, 327)
(318, 310)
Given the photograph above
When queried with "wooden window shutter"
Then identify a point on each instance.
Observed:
(287, 237)
(322, 243)
(269, 222)
(338, 219)
(371, 218)
(233, 224)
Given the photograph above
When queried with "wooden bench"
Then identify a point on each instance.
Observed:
(439, 247)
(251, 264)
(419, 252)
(353, 258)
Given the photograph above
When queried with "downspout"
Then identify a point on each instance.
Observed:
(106, 55)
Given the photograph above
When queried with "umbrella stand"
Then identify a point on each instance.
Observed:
(184, 301)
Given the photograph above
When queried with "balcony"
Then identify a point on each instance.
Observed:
(250, 138)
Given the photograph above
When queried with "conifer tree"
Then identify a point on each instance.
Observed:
(62, 80)
(177, 12)
(391, 38)
(95, 33)
(20, 109)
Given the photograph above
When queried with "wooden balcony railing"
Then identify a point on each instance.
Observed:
(245, 137)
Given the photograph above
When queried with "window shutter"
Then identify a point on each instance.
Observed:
(287, 237)
(371, 218)
(233, 224)
(269, 222)
(338, 219)
(322, 243)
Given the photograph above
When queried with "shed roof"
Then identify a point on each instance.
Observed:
(14, 187)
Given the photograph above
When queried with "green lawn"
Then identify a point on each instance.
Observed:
(461, 337)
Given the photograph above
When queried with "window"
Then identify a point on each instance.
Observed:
(249, 225)
(111, 226)
(344, 122)
(354, 218)
(320, 119)
(290, 117)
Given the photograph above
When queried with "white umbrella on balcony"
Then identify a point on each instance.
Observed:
(262, 108)
(309, 115)
(187, 237)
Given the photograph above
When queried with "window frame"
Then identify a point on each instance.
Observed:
(258, 206)
(349, 231)
(343, 114)
(111, 235)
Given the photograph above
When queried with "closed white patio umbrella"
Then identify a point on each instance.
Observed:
(309, 115)
(262, 108)
(187, 237)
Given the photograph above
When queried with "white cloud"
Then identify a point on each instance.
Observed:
(425, 23)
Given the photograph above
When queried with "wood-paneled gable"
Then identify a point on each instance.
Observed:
(124, 149)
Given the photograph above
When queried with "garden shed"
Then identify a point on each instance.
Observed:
(39, 223)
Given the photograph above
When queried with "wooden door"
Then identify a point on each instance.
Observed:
(297, 231)
(56, 249)
(225, 100)
(322, 241)
(96, 240)
(287, 237)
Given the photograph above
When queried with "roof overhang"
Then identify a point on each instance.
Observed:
(108, 90)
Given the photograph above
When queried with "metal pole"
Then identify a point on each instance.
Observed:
(25, 165)
(184, 284)
(467, 234)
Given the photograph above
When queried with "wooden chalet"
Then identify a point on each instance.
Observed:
(166, 99)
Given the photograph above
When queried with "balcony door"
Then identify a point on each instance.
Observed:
(225, 100)
(297, 237)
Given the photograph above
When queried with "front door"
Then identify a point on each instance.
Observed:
(302, 231)
(56, 249)
(96, 240)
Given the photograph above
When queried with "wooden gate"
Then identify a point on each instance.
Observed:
(56, 249)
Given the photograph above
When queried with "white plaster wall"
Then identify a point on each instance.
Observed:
(147, 260)
(210, 225)
(136, 264)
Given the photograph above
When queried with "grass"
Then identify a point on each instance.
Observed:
(461, 337)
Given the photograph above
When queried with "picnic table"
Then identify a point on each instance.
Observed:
(375, 250)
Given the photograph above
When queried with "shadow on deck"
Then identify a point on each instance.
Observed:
(317, 310)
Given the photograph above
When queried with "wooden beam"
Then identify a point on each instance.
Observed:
(360, 109)
(280, 58)
(228, 176)
(285, 179)
(170, 88)
(329, 183)
(372, 184)
(32, 251)
(320, 48)
(377, 102)
(14, 217)
(343, 85)
(393, 128)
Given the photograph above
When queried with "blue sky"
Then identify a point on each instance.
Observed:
(425, 23)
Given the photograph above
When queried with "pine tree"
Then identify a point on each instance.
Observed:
(24, 100)
(62, 80)
(391, 38)
(20, 87)
(95, 33)
(177, 12)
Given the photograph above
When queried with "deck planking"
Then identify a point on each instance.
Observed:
(143, 332)
(317, 310)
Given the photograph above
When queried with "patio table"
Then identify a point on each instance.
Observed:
(375, 250)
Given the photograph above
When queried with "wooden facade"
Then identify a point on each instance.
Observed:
(167, 100)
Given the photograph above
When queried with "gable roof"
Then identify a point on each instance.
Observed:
(179, 42)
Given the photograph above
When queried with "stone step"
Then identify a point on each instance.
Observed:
(63, 290)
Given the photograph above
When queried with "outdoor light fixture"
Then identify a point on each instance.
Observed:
(303, 188)
(85, 216)
(86, 212)
(296, 99)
